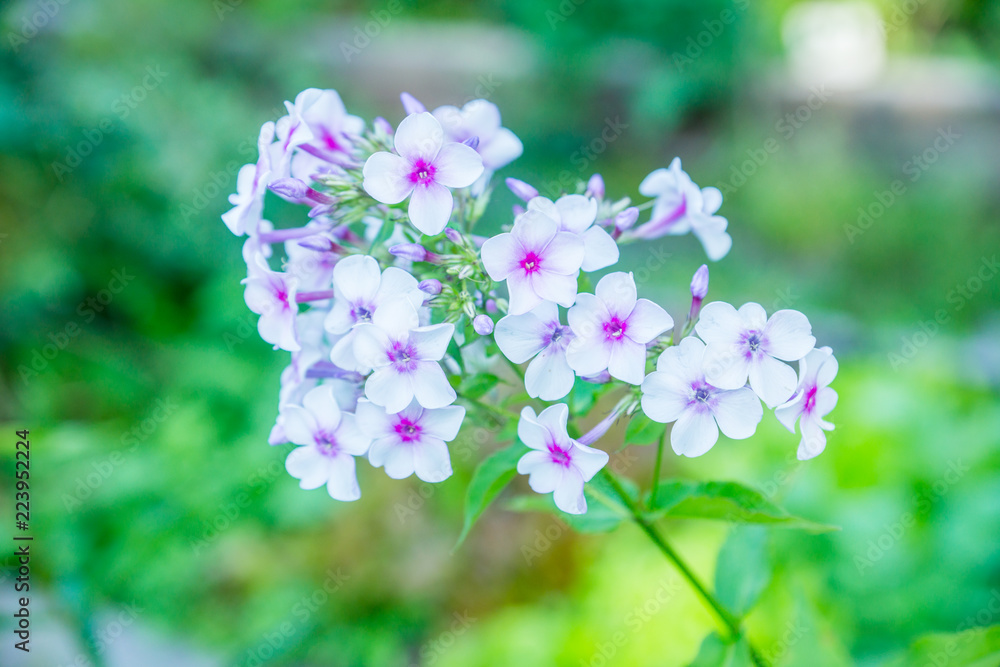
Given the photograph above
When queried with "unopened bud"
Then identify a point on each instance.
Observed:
(411, 104)
(521, 190)
(626, 219)
(699, 283)
(383, 126)
(518, 210)
(454, 236)
(595, 187)
(491, 306)
(290, 188)
(483, 325)
(472, 142)
(411, 251)
(431, 286)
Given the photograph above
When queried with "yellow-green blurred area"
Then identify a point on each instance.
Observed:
(857, 145)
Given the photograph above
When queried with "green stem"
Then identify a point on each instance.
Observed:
(656, 470)
(731, 623)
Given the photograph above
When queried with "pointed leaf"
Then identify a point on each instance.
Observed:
(743, 569)
(489, 479)
(725, 501)
(642, 430)
(978, 647)
(716, 652)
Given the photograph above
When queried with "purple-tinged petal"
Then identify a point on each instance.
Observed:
(430, 208)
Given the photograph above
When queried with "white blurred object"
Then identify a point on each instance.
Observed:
(840, 45)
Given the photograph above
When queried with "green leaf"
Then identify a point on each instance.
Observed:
(978, 647)
(743, 569)
(384, 232)
(642, 430)
(716, 652)
(725, 501)
(475, 386)
(489, 479)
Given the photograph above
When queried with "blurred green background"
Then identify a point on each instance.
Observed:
(167, 531)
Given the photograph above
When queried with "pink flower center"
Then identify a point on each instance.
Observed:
(531, 263)
(810, 403)
(755, 342)
(402, 356)
(422, 172)
(615, 328)
(331, 141)
(559, 455)
(408, 431)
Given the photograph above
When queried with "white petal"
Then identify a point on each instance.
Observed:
(719, 323)
(389, 389)
(826, 401)
(431, 460)
(576, 213)
(600, 250)
(300, 425)
(694, 433)
(430, 208)
(711, 199)
(350, 438)
(396, 317)
(754, 316)
(370, 345)
(664, 396)
(501, 150)
(394, 283)
(500, 256)
(738, 412)
(549, 376)
(339, 319)
(587, 319)
(788, 335)
(713, 236)
(278, 328)
(373, 420)
(554, 419)
(569, 493)
(647, 321)
(520, 337)
(789, 413)
(588, 460)
(308, 466)
(627, 361)
(522, 294)
(772, 380)
(555, 287)
(544, 475)
(457, 166)
(443, 423)
(397, 459)
(386, 178)
(431, 342)
(343, 484)
(356, 279)
(617, 291)
(563, 254)
(534, 230)
(430, 386)
(530, 431)
(323, 406)
(419, 137)
(725, 366)
(813, 440)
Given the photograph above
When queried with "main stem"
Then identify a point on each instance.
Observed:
(731, 623)
(656, 470)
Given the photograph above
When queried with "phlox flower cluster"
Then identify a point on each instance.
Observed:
(389, 301)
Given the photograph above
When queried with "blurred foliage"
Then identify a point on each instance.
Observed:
(149, 405)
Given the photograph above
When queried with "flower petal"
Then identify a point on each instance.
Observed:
(576, 213)
(501, 255)
(343, 482)
(569, 492)
(457, 166)
(647, 321)
(431, 460)
(430, 386)
(563, 254)
(386, 178)
(443, 423)
(323, 406)
(501, 150)
(549, 376)
(725, 366)
(419, 137)
(430, 208)
(431, 342)
(627, 361)
(772, 380)
(555, 287)
(737, 412)
(530, 431)
(390, 389)
(308, 466)
(789, 335)
(599, 249)
(520, 337)
(617, 291)
(694, 433)
(719, 323)
(300, 425)
(588, 460)
(664, 396)
(521, 290)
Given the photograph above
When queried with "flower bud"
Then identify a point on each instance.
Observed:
(699, 283)
(431, 286)
(291, 189)
(518, 210)
(411, 251)
(595, 187)
(603, 377)
(483, 325)
(454, 236)
(521, 190)
(626, 219)
(491, 306)
(383, 126)
(411, 104)
(472, 142)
